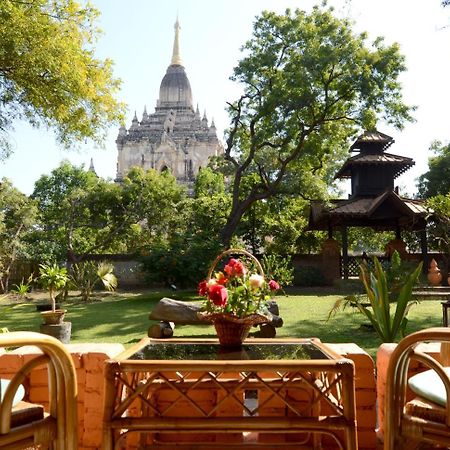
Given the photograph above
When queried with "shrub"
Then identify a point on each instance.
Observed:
(86, 275)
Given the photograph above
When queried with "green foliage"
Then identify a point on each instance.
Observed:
(53, 278)
(275, 225)
(366, 239)
(82, 214)
(178, 262)
(278, 268)
(381, 292)
(49, 74)
(209, 183)
(17, 219)
(439, 227)
(23, 288)
(437, 180)
(87, 274)
(310, 83)
(309, 276)
(73, 206)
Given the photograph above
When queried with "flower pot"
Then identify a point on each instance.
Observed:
(53, 317)
(61, 331)
(232, 330)
(434, 274)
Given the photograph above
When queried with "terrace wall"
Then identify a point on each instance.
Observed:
(89, 363)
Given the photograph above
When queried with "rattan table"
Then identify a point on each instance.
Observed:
(194, 394)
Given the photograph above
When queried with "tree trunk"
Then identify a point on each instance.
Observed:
(230, 227)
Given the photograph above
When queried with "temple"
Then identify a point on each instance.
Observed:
(175, 137)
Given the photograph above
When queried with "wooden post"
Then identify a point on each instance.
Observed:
(345, 252)
(424, 249)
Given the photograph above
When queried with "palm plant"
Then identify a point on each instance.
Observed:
(381, 294)
(86, 275)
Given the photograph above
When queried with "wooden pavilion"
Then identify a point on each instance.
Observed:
(374, 200)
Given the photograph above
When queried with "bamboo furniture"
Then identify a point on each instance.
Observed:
(27, 425)
(278, 393)
(410, 424)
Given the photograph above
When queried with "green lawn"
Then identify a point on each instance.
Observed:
(124, 318)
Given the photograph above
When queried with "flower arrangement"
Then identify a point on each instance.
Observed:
(236, 291)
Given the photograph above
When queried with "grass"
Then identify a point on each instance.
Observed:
(123, 318)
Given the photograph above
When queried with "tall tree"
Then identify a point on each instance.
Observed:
(17, 217)
(436, 181)
(309, 84)
(48, 72)
(82, 214)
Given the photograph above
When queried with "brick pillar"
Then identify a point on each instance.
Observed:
(331, 254)
(365, 393)
(396, 244)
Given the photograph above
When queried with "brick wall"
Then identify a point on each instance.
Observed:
(89, 364)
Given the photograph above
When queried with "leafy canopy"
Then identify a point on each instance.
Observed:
(49, 74)
(17, 218)
(309, 83)
(436, 181)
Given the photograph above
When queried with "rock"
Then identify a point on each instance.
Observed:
(272, 306)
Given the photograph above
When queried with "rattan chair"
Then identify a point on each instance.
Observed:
(418, 422)
(25, 425)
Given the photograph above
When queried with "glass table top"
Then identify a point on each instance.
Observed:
(212, 352)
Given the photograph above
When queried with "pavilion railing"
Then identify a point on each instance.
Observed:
(353, 263)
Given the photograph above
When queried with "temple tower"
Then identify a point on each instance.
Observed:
(174, 137)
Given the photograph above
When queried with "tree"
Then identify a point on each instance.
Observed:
(82, 214)
(48, 72)
(70, 209)
(17, 217)
(309, 84)
(208, 183)
(439, 225)
(437, 180)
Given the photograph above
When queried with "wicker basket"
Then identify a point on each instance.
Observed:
(233, 330)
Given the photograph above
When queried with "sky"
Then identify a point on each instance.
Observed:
(138, 37)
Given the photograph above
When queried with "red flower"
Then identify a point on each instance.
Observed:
(218, 295)
(273, 285)
(202, 288)
(234, 268)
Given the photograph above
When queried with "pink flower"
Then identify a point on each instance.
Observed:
(273, 285)
(218, 295)
(202, 288)
(234, 268)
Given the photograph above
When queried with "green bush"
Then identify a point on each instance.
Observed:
(179, 263)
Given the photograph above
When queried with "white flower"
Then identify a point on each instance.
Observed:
(256, 281)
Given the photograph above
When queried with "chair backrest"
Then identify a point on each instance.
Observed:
(401, 426)
(60, 424)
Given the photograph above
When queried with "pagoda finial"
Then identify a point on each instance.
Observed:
(176, 58)
(91, 167)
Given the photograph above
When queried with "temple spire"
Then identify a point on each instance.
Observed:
(176, 58)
